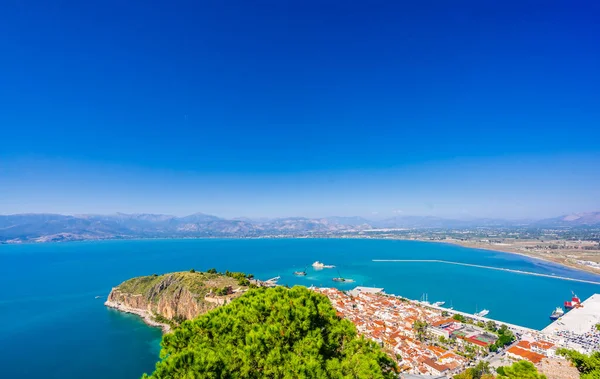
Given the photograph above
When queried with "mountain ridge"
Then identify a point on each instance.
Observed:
(47, 227)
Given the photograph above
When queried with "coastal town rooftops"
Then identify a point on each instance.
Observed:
(413, 376)
(358, 290)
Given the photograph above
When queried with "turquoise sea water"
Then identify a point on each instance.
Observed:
(52, 326)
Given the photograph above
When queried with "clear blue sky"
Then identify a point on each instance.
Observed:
(311, 108)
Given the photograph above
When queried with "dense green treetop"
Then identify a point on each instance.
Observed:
(519, 370)
(271, 333)
(505, 337)
(480, 371)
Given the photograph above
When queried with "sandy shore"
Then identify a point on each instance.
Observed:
(145, 315)
(512, 250)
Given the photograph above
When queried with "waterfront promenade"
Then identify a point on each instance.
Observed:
(486, 267)
(515, 328)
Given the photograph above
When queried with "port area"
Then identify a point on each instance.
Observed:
(577, 328)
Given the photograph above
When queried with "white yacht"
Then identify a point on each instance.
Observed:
(483, 313)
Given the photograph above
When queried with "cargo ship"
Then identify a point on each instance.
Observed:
(574, 303)
(557, 313)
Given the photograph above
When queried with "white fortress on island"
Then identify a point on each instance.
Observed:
(320, 265)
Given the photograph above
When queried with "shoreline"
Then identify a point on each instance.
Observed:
(508, 250)
(146, 316)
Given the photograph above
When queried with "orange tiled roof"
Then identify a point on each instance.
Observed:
(437, 350)
(544, 345)
(429, 362)
(444, 321)
(526, 354)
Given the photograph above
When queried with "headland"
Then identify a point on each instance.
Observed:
(167, 300)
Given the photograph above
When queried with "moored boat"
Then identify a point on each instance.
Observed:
(557, 313)
(300, 273)
(483, 313)
(341, 279)
(574, 303)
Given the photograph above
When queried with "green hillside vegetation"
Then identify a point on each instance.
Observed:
(271, 333)
(588, 365)
(199, 283)
(519, 370)
(480, 371)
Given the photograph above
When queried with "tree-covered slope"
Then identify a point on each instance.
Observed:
(588, 365)
(271, 333)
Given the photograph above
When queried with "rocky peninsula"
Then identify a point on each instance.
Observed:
(169, 299)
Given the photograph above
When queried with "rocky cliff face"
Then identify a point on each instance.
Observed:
(171, 298)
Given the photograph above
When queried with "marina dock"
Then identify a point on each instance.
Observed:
(515, 328)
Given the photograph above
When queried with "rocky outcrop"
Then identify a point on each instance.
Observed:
(148, 316)
(168, 299)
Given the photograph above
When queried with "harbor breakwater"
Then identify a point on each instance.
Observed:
(486, 267)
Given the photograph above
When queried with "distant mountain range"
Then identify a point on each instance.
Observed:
(575, 219)
(55, 227)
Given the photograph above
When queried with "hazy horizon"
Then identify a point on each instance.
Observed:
(371, 217)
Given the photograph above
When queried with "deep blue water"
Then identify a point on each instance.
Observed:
(52, 326)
